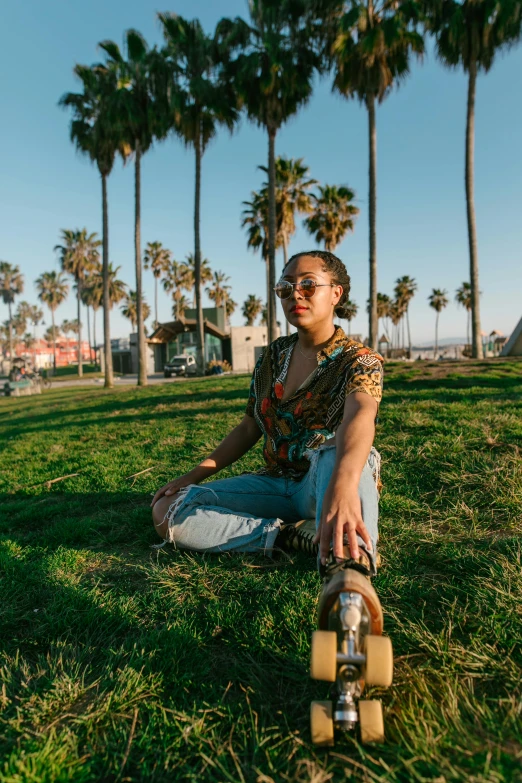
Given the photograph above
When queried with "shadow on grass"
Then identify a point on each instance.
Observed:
(111, 409)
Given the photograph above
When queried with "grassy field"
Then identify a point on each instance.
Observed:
(123, 663)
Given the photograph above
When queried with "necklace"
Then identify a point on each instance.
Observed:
(303, 353)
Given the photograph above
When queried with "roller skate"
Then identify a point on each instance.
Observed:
(348, 649)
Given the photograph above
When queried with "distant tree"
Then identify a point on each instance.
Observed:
(438, 300)
(252, 306)
(205, 101)
(405, 288)
(177, 277)
(52, 291)
(79, 256)
(264, 316)
(332, 215)
(205, 274)
(156, 258)
(139, 123)
(129, 308)
(117, 289)
(383, 310)
(66, 328)
(51, 335)
(350, 311)
(95, 133)
(371, 47)
(11, 286)
(470, 33)
(29, 342)
(463, 297)
(180, 307)
(272, 71)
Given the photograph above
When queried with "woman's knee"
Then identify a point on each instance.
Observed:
(159, 515)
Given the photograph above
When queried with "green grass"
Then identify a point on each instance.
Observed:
(123, 663)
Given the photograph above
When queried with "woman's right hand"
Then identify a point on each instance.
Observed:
(175, 485)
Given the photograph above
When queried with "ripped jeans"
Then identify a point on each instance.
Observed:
(244, 513)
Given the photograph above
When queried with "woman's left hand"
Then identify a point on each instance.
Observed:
(341, 514)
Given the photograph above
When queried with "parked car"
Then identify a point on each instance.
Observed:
(180, 365)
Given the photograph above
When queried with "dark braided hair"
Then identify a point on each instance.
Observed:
(337, 270)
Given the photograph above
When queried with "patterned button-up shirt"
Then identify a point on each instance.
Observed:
(313, 413)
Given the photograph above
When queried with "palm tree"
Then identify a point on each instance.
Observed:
(139, 123)
(272, 73)
(29, 342)
(438, 300)
(51, 335)
(332, 215)
(92, 296)
(469, 33)
(255, 220)
(177, 278)
(52, 291)
(371, 50)
(218, 292)
(79, 257)
(252, 306)
(95, 133)
(130, 310)
(463, 297)
(35, 317)
(383, 310)
(117, 288)
(203, 100)
(205, 274)
(66, 328)
(156, 258)
(180, 306)
(292, 196)
(11, 285)
(405, 288)
(264, 316)
(350, 311)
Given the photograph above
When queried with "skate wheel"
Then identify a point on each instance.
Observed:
(370, 721)
(321, 723)
(323, 664)
(379, 661)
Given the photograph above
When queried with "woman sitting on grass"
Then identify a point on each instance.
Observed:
(314, 399)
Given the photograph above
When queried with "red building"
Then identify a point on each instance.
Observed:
(41, 353)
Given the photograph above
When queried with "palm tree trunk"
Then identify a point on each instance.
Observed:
(142, 356)
(468, 326)
(285, 262)
(79, 301)
(94, 334)
(34, 345)
(10, 335)
(54, 341)
(109, 377)
(477, 351)
(436, 336)
(89, 334)
(272, 312)
(156, 299)
(349, 327)
(200, 327)
(409, 332)
(373, 336)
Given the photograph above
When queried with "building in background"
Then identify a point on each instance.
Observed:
(238, 345)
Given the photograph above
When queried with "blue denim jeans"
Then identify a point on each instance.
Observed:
(244, 513)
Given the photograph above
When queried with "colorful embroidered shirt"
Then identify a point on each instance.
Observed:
(313, 413)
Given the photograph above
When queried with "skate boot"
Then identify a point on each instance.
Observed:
(350, 651)
(298, 537)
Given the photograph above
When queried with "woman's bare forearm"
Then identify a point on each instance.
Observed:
(233, 447)
(354, 439)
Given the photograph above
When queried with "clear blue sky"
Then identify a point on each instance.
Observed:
(47, 186)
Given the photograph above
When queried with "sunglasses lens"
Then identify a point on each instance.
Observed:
(307, 288)
(283, 290)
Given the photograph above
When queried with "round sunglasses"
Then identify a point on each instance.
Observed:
(305, 287)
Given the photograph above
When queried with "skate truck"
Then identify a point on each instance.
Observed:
(350, 651)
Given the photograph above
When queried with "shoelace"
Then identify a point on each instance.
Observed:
(298, 540)
(333, 566)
